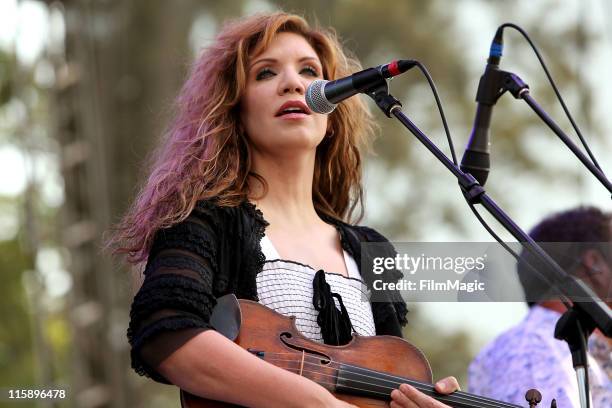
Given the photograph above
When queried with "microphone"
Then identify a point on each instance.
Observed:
(475, 159)
(322, 96)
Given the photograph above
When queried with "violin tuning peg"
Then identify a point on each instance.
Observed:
(533, 397)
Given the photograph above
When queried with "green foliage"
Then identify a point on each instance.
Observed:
(16, 358)
(7, 69)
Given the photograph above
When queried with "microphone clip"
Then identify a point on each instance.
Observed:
(379, 92)
(495, 82)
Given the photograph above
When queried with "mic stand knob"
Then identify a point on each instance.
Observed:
(533, 397)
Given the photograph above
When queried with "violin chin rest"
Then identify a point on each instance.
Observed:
(226, 316)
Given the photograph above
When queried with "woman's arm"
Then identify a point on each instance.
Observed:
(234, 375)
(230, 373)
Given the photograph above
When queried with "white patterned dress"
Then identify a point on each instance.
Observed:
(286, 287)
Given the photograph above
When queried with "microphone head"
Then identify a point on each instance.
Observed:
(315, 97)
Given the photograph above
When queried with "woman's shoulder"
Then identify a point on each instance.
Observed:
(215, 207)
(363, 233)
(208, 220)
(370, 234)
(354, 236)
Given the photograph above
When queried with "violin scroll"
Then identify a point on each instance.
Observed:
(534, 397)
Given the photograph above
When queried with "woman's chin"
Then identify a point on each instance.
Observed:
(299, 140)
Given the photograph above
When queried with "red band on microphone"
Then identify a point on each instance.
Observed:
(394, 68)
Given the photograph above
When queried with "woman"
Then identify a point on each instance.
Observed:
(248, 195)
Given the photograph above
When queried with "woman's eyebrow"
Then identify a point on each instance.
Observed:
(259, 61)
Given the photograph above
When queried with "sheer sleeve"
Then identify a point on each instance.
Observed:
(176, 298)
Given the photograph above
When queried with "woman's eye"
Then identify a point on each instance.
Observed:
(310, 71)
(263, 74)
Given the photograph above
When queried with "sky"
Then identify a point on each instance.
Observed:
(28, 28)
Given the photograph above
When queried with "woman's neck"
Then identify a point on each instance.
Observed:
(288, 200)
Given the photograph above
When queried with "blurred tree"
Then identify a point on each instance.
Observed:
(124, 61)
(28, 355)
(16, 357)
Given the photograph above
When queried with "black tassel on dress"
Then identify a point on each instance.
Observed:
(335, 324)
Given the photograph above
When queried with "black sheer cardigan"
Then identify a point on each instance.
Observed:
(216, 251)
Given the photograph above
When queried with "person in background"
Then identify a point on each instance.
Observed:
(528, 355)
(251, 193)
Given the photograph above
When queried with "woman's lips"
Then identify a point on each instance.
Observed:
(293, 116)
(291, 107)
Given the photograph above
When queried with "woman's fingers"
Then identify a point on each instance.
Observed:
(447, 385)
(410, 397)
(400, 399)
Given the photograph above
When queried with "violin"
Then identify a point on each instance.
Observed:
(362, 372)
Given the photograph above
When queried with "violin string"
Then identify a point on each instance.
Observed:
(440, 397)
(426, 388)
(333, 384)
(429, 389)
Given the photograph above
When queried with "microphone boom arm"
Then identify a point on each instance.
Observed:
(520, 90)
(593, 310)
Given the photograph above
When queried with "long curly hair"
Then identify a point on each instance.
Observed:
(205, 152)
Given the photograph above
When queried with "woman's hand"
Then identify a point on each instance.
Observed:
(409, 397)
(342, 404)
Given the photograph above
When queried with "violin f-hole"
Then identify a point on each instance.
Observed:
(285, 338)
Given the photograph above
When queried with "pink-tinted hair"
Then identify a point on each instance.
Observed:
(205, 151)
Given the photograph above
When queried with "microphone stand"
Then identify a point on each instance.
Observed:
(588, 311)
(573, 327)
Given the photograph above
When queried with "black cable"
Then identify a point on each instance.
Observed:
(440, 109)
(452, 149)
(554, 86)
(583, 343)
(470, 204)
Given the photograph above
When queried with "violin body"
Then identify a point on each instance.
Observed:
(362, 372)
(267, 331)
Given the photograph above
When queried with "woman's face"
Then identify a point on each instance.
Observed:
(274, 113)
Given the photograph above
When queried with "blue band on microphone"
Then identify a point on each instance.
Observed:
(496, 50)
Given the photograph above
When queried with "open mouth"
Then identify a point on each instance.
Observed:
(293, 108)
(290, 110)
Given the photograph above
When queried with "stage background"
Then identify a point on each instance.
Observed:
(86, 89)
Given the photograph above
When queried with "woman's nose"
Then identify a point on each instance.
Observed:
(292, 82)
